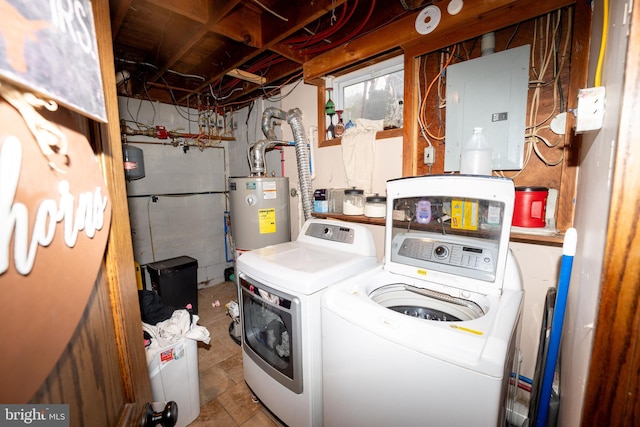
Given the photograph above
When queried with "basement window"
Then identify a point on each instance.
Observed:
(375, 92)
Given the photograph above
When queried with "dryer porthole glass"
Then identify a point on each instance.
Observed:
(271, 331)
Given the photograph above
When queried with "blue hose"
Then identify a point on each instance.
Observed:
(568, 252)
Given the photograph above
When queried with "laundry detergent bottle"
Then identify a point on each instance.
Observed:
(475, 158)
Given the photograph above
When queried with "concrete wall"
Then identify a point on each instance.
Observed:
(178, 207)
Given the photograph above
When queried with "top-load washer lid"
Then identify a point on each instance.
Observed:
(451, 229)
(324, 253)
(426, 304)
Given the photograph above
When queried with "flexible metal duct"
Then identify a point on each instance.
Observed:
(294, 118)
(267, 124)
(256, 151)
(256, 156)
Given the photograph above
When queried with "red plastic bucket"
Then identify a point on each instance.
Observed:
(530, 207)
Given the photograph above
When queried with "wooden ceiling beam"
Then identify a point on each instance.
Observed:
(196, 10)
(285, 51)
(274, 30)
(298, 16)
(119, 11)
(476, 18)
(243, 25)
(218, 9)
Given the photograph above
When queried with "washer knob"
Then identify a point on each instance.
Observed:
(441, 251)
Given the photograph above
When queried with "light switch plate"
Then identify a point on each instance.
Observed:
(590, 111)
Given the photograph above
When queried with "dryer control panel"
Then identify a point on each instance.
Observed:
(470, 258)
(336, 235)
(333, 232)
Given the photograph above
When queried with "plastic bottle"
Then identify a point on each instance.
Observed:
(476, 155)
(423, 212)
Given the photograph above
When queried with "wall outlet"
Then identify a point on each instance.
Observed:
(590, 111)
(429, 155)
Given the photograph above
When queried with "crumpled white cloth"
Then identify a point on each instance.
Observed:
(173, 330)
(358, 151)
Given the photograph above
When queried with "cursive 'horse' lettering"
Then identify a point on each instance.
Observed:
(88, 215)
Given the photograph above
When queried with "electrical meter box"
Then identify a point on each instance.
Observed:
(176, 281)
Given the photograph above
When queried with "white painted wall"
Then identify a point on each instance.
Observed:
(329, 168)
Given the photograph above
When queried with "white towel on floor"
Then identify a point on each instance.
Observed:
(358, 150)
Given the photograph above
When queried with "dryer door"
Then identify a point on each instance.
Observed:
(271, 331)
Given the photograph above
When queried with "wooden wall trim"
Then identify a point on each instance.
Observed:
(578, 80)
(613, 385)
(119, 255)
(411, 107)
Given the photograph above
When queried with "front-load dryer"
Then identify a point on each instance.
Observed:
(279, 289)
(429, 338)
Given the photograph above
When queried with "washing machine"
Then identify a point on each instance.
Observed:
(279, 290)
(430, 337)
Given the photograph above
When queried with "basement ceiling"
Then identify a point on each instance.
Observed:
(230, 52)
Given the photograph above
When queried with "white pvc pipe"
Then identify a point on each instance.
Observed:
(488, 44)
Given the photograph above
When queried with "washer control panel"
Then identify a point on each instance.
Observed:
(471, 258)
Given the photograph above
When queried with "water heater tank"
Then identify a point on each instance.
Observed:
(259, 211)
(133, 162)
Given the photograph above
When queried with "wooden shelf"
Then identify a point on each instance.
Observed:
(350, 218)
(555, 239)
(387, 133)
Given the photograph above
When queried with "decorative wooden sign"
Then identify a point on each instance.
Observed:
(50, 47)
(54, 224)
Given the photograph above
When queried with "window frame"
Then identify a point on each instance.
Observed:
(388, 66)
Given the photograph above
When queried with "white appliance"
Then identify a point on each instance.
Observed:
(280, 287)
(259, 211)
(429, 338)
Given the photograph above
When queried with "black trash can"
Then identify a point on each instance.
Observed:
(176, 281)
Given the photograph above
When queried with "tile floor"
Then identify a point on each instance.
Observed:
(225, 399)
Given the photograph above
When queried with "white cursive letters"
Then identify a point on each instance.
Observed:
(14, 217)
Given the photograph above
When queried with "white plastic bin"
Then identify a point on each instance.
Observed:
(174, 376)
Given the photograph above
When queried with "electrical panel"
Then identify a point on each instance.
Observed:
(488, 92)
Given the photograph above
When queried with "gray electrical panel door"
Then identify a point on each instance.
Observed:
(488, 92)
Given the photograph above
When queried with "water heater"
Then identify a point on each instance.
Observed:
(259, 211)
